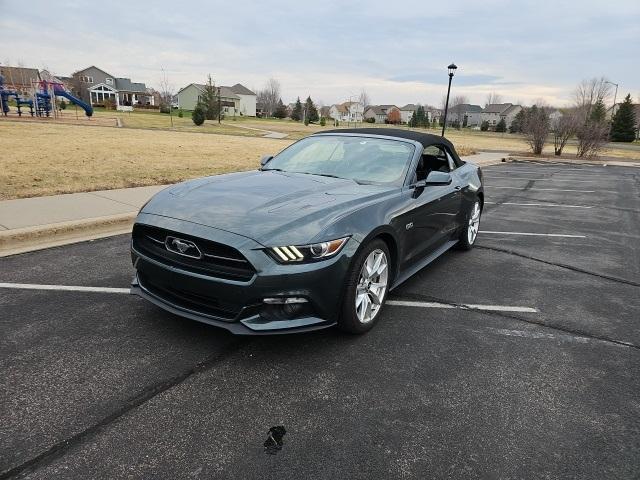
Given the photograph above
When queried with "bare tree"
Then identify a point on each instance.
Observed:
(536, 127)
(364, 99)
(590, 92)
(166, 94)
(492, 98)
(269, 96)
(592, 130)
(456, 108)
(564, 128)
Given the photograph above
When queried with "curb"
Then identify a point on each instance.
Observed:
(22, 240)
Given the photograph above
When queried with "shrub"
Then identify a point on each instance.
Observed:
(164, 108)
(323, 121)
(198, 115)
(370, 120)
(180, 113)
(484, 126)
(63, 105)
(536, 127)
(501, 126)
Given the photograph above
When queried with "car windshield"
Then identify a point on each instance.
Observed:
(363, 159)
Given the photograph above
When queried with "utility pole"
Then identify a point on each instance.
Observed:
(219, 106)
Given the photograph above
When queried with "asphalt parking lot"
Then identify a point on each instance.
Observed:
(518, 359)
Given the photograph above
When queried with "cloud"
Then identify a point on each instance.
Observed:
(332, 49)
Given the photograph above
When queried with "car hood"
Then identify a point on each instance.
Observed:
(270, 207)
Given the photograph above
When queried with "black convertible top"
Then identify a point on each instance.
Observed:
(425, 139)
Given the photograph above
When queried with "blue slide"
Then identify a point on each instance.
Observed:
(61, 92)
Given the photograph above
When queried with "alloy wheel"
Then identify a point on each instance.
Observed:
(372, 286)
(474, 223)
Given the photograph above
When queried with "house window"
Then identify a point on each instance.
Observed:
(86, 79)
(109, 81)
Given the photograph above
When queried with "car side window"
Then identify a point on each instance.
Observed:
(433, 158)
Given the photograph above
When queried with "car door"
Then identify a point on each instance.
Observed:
(432, 212)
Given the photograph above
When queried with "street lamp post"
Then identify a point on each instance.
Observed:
(615, 95)
(452, 69)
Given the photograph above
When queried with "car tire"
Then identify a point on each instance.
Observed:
(469, 233)
(366, 289)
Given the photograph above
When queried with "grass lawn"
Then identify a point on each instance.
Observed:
(45, 159)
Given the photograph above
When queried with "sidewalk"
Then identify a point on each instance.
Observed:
(41, 222)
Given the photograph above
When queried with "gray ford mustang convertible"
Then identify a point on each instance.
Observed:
(316, 237)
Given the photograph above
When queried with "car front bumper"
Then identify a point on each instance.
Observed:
(238, 306)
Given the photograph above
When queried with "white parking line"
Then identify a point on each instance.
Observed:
(464, 306)
(538, 205)
(546, 189)
(533, 234)
(573, 173)
(69, 288)
(547, 179)
(402, 303)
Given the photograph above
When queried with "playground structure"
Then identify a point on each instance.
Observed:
(43, 101)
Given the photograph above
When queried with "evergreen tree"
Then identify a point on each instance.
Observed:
(209, 100)
(281, 110)
(198, 115)
(484, 126)
(501, 126)
(296, 113)
(311, 115)
(421, 117)
(598, 112)
(624, 121)
(412, 121)
(518, 121)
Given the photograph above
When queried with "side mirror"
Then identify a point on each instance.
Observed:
(438, 178)
(264, 160)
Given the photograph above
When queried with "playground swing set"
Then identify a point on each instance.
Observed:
(43, 99)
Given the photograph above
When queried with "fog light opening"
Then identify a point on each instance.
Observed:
(285, 308)
(284, 300)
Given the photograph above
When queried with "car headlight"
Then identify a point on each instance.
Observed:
(307, 253)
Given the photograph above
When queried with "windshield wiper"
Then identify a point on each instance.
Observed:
(322, 175)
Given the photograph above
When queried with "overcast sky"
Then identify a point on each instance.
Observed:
(396, 50)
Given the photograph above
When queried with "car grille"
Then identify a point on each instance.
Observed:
(189, 300)
(218, 260)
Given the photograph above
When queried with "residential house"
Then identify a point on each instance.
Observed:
(433, 114)
(407, 112)
(466, 115)
(50, 77)
(97, 86)
(236, 100)
(347, 112)
(20, 79)
(380, 113)
(554, 116)
(500, 111)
